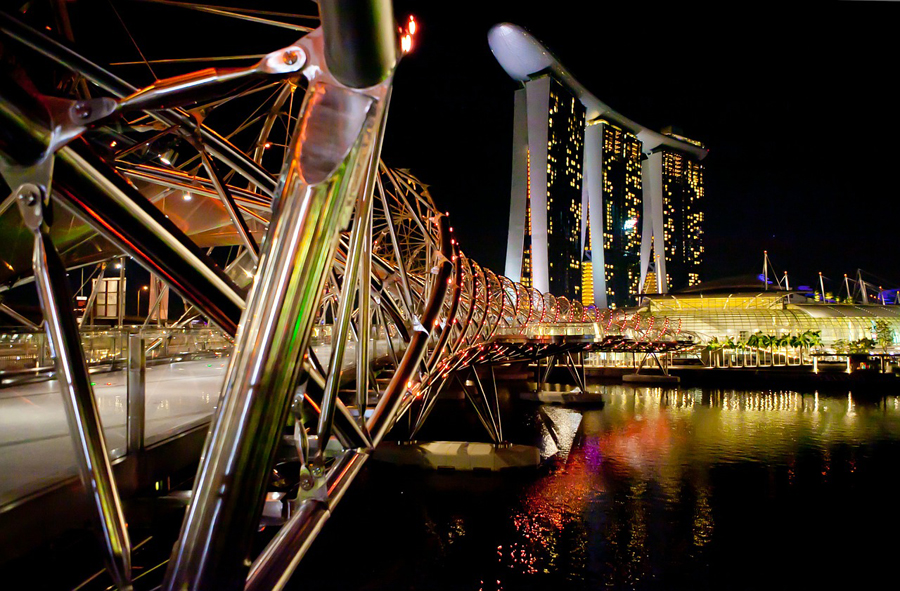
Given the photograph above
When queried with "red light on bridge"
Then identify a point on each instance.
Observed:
(407, 34)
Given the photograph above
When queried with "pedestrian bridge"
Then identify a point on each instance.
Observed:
(332, 295)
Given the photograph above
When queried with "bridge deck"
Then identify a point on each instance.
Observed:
(35, 447)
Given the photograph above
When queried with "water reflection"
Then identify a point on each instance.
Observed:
(629, 498)
(658, 489)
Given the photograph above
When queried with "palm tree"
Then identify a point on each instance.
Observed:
(783, 342)
(712, 346)
(762, 343)
(770, 342)
(809, 339)
(742, 347)
(815, 338)
(798, 342)
(730, 345)
(754, 342)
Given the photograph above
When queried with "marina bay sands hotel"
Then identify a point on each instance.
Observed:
(602, 208)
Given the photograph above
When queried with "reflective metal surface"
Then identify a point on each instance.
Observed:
(81, 407)
(336, 131)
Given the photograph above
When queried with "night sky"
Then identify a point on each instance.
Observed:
(796, 107)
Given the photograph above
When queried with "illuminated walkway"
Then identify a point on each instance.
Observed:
(35, 447)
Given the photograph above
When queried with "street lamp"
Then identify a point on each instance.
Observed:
(141, 290)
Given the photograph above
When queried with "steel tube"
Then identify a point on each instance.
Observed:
(339, 338)
(386, 412)
(135, 225)
(176, 179)
(81, 408)
(93, 191)
(360, 241)
(406, 295)
(364, 334)
(451, 314)
(136, 380)
(277, 562)
(236, 218)
(18, 317)
(360, 40)
(216, 538)
(120, 298)
(219, 146)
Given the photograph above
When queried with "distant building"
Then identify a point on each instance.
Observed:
(674, 219)
(622, 199)
(547, 177)
(736, 308)
(641, 192)
(565, 149)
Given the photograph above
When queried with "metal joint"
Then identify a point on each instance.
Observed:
(30, 198)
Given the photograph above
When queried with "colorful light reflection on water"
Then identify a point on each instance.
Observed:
(658, 489)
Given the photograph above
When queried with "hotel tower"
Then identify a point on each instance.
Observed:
(602, 208)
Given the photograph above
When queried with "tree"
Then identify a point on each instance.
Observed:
(767, 342)
(782, 343)
(799, 342)
(861, 345)
(713, 345)
(742, 348)
(884, 334)
(814, 337)
(729, 345)
(753, 341)
(809, 339)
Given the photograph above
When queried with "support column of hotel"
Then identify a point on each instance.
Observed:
(593, 204)
(653, 232)
(537, 106)
(516, 246)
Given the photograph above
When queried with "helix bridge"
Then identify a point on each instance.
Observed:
(257, 194)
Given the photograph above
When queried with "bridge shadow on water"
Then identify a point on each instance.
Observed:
(658, 489)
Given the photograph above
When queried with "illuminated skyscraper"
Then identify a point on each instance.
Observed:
(675, 217)
(621, 196)
(565, 148)
(545, 219)
(578, 164)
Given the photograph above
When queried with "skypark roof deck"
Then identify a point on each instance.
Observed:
(524, 57)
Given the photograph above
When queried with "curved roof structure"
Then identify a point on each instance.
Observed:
(523, 56)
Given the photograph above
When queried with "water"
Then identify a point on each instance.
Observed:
(658, 489)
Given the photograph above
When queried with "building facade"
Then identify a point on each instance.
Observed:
(622, 199)
(672, 249)
(565, 147)
(546, 214)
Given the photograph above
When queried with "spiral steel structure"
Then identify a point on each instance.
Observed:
(337, 255)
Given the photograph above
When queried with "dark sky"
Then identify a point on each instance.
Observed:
(798, 109)
(797, 106)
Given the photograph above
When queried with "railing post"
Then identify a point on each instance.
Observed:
(137, 364)
(42, 348)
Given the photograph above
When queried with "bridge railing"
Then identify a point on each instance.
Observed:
(29, 352)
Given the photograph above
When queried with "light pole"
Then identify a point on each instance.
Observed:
(141, 290)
